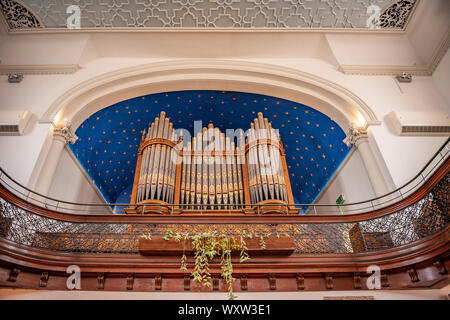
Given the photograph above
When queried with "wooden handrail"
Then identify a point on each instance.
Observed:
(299, 204)
(417, 195)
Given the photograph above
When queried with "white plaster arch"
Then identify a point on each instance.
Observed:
(340, 104)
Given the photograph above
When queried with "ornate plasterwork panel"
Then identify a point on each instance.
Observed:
(397, 14)
(18, 16)
(247, 14)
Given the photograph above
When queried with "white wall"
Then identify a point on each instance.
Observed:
(374, 50)
(18, 154)
(441, 77)
(70, 184)
(403, 156)
(351, 180)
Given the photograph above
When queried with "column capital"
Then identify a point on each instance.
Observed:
(65, 133)
(356, 135)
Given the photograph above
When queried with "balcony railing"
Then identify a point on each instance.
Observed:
(417, 210)
(309, 208)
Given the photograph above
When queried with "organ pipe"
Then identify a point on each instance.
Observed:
(211, 170)
(218, 167)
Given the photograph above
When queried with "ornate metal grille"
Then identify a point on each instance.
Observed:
(423, 218)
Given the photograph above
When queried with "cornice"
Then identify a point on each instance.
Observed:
(439, 53)
(39, 69)
(380, 70)
(206, 30)
(368, 70)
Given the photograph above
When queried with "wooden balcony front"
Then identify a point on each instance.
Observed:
(408, 240)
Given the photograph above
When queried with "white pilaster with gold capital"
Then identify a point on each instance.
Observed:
(62, 135)
(358, 137)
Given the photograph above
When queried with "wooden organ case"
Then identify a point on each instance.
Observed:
(211, 174)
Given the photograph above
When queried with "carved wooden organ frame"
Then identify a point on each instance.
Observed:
(210, 172)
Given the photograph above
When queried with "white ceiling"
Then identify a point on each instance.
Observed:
(418, 49)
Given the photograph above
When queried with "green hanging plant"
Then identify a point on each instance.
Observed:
(210, 245)
(147, 236)
(207, 246)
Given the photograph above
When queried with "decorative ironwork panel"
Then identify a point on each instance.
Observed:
(17, 16)
(397, 14)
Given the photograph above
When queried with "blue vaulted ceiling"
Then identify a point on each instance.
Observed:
(109, 139)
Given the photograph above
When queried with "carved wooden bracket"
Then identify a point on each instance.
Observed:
(187, 283)
(101, 281)
(384, 280)
(13, 275)
(44, 279)
(329, 282)
(300, 282)
(215, 283)
(130, 281)
(440, 266)
(158, 282)
(357, 281)
(244, 286)
(412, 272)
(272, 282)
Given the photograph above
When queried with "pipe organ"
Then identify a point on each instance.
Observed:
(209, 171)
(211, 176)
(264, 163)
(156, 166)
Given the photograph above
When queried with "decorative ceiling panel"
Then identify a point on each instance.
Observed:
(18, 16)
(246, 14)
(109, 139)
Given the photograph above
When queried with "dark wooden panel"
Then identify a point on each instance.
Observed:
(369, 241)
(432, 216)
(158, 246)
(5, 224)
